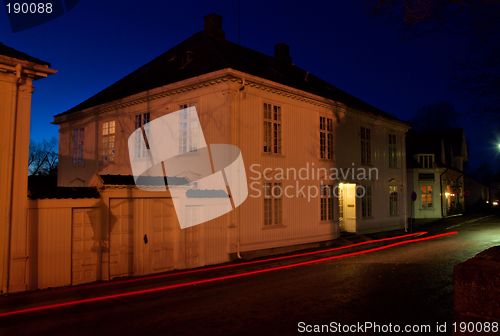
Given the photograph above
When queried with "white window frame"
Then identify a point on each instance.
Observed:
(393, 151)
(325, 138)
(272, 129)
(77, 146)
(141, 119)
(326, 202)
(188, 131)
(366, 144)
(273, 204)
(367, 202)
(425, 194)
(108, 132)
(393, 201)
(426, 161)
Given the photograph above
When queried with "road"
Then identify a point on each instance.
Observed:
(410, 283)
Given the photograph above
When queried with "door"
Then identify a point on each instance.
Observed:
(121, 252)
(160, 230)
(143, 235)
(347, 207)
(85, 245)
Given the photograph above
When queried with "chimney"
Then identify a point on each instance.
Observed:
(213, 26)
(282, 53)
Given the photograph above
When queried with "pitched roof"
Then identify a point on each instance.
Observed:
(201, 54)
(451, 140)
(14, 53)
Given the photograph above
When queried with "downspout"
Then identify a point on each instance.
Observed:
(19, 70)
(441, 190)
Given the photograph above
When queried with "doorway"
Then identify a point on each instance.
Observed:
(346, 193)
(142, 236)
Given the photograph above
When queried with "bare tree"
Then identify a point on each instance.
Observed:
(43, 157)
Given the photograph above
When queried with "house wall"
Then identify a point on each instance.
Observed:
(300, 149)
(231, 111)
(348, 154)
(212, 98)
(476, 195)
(447, 193)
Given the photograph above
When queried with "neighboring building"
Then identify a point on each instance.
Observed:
(435, 172)
(279, 115)
(476, 195)
(17, 73)
(495, 192)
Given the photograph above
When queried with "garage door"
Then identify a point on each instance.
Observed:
(160, 226)
(85, 245)
(143, 233)
(121, 237)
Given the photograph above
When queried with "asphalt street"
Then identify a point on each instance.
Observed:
(385, 282)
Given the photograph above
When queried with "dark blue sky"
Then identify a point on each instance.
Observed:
(98, 42)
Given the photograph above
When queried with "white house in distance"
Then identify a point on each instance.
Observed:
(283, 119)
(435, 172)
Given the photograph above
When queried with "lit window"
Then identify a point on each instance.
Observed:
(366, 154)
(273, 201)
(108, 140)
(426, 196)
(393, 200)
(393, 158)
(326, 138)
(326, 202)
(77, 147)
(272, 128)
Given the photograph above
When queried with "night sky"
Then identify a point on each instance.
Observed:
(369, 56)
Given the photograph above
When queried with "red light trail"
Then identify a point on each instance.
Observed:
(246, 263)
(216, 279)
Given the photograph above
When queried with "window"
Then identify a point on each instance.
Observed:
(326, 202)
(366, 202)
(326, 138)
(366, 155)
(425, 160)
(393, 158)
(272, 128)
(140, 121)
(188, 130)
(108, 140)
(393, 200)
(77, 147)
(273, 202)
(426, 196)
